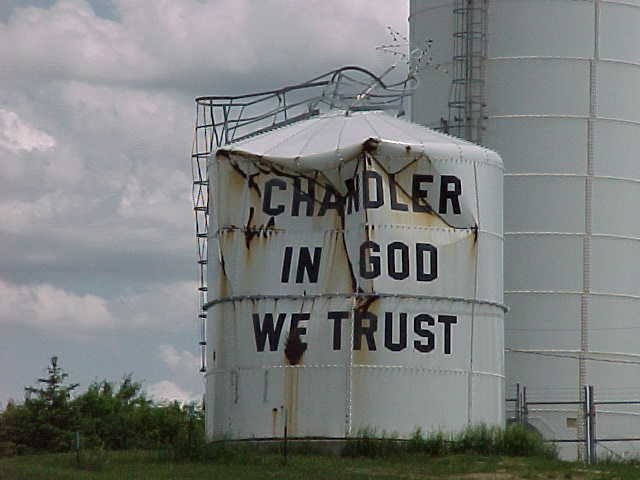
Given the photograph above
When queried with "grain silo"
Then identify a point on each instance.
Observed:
(552, 85)
(354, 280)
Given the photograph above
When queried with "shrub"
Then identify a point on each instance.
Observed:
(519, 441)
(480, 439)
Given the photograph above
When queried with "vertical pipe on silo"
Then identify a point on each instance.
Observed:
(475, 298)
(587, 247)
(349, 372)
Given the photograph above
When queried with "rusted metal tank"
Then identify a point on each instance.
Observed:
(355, 281)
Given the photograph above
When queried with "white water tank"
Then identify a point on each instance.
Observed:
(355, 281)
(563, 110)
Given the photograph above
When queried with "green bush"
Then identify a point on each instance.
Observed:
(517, 440)
(108, 416)
(480, 439)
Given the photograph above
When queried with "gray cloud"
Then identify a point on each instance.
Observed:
(96, 118)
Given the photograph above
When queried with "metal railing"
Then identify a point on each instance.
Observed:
(587, 406)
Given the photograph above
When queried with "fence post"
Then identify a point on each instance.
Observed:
(586, 408)
(286, 435)
(518, 403)
(592, 425)
(525, 409)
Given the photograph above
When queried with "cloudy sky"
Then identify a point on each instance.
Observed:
(97, 254)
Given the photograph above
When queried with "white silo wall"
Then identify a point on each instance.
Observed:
(563, 110)
(360, 369)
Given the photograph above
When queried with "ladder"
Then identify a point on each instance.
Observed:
(467, 98)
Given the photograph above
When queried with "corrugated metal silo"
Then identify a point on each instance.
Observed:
(557, 91)
(355, 281)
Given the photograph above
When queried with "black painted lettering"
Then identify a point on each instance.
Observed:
(392, 262)
(388, 332)
(268, 192)
(393, 195)
(286, 264)
(360, 330)
(309, 265)
(450, 194)
(297, 330)
(300, 196)
(425, 333)
(419, 193)
(337, 318)
(431, 273)
(330, 201)
(367, 201)
(268, 330)
(369, 265)
(353, 193)
(447, 321)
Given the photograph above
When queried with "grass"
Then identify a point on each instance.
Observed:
(478, 453)
(132, 465)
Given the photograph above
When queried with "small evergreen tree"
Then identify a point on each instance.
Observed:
(49, 421)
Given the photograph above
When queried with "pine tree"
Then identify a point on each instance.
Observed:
(51, 419)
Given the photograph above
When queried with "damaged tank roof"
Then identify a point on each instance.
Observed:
(306, 143)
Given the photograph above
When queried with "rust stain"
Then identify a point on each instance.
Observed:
(274, 421)
(253, 185)
(223, 266)
(371, 145)
(342, 227)
(291, 399)
(364, 302)
(252, 231)
(294, 348)
(249, 231)
(249, 178)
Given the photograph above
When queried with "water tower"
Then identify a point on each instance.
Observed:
(351, 265)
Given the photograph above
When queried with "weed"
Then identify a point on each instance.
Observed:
(435, 444)
(368, 443)
(481, 439)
